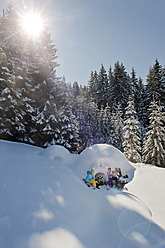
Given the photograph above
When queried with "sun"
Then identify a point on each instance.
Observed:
(32, 24)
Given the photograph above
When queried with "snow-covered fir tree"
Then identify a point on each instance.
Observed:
(92, 114)
(154, 142)
(92, 85)
(134, 82)
(11, 76)
(101, 126)
(108, 132)
(138, 96)
(162, 89)
(101, 87)
(120, 88)
(83, 125)
(139, 100)
(155, 84)
(66, 130)
(118, 125)
(131, 142)
(106, 124)
(75, 90)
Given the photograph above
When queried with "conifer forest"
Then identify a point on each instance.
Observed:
(38, 107)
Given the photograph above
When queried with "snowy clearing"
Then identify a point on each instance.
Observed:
(45, 203)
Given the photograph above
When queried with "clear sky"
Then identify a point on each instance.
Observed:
(88, 33)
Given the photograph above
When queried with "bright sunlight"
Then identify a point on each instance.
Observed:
(32, 23)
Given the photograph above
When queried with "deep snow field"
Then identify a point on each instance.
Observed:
(45, 204)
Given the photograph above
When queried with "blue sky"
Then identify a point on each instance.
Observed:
(88, 33)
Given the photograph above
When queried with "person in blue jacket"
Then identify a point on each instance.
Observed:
(90, 178)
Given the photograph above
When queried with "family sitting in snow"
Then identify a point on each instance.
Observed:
(112, 179)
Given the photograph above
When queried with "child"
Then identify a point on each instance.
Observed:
(118, 172)
(109, 175)
(90, 178)
(101, 180)
(114, 178)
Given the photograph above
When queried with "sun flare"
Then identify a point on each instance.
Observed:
(32, 24)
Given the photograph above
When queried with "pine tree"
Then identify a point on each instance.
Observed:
(11, 74)
(93, 81)
(65, 127)
(154, 142)
(131, 142)
(162, 89)
(134, 84)
(108, 91)
(140, 101)
(83, 125)
(101, 126)
(155, 84)
(118, 126)
(92, 113)
(108, 131)
(75, 90)
(101, 87)
(120, 87)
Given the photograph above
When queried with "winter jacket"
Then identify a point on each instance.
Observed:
(89, 177)
(109, 175)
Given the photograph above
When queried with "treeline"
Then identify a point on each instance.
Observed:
(38, 108)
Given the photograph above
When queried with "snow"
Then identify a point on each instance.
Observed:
(2, 79)
(45, 203)
(20, 77)
(5, 69)
(57, 153)
(149, 182)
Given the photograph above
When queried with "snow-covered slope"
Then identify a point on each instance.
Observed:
(149, 185)
(45, 204)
